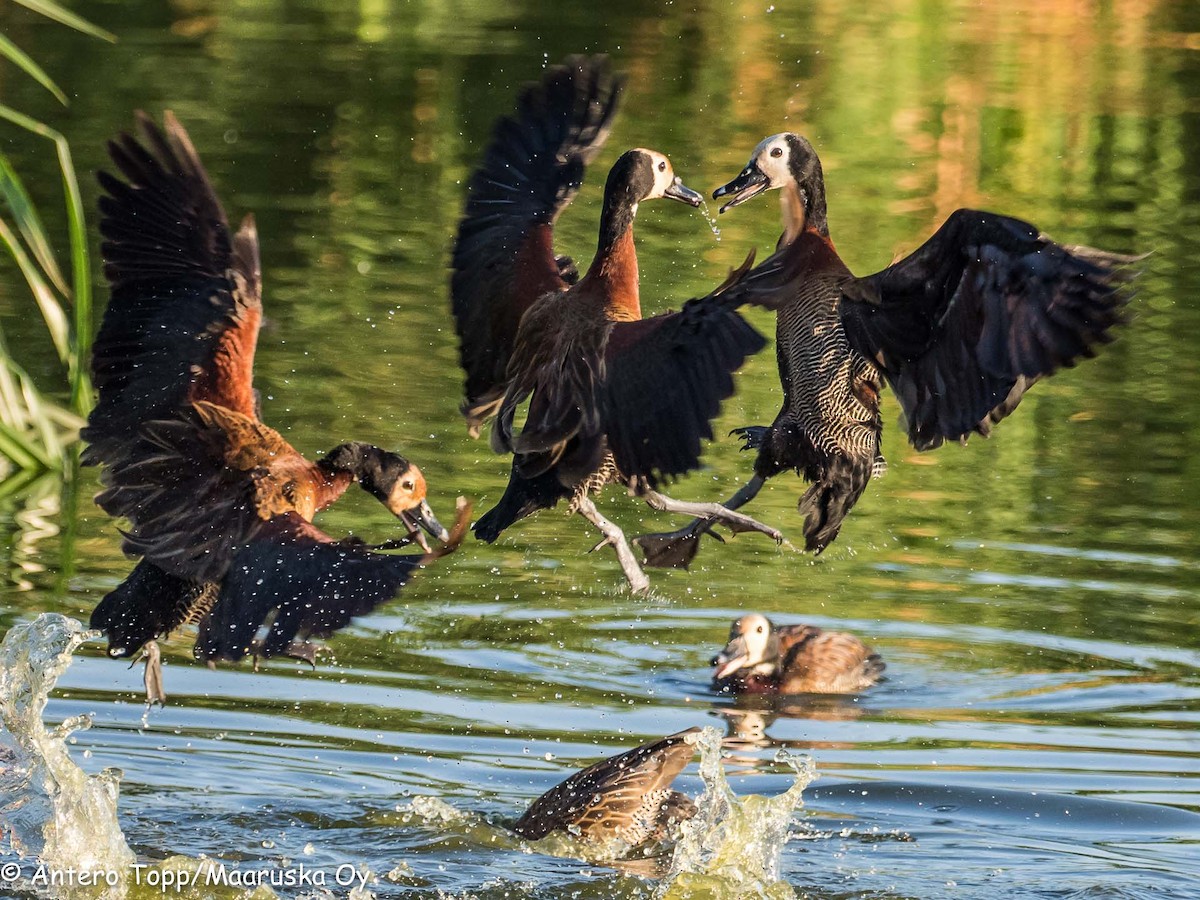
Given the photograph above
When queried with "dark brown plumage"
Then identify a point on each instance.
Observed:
(960, 329)
(764, 658)
(626, 797)
(219, 504)
(608, 396)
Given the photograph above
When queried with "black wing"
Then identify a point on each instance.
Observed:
(667, 375)
(504, 257)
(149, 604)
(302, 583)
(963, 326)
(183, 319)
(188, 510)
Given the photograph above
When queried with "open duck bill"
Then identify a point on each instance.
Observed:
(729, 660)
(750, 183)
(420, 518)
(684, 194)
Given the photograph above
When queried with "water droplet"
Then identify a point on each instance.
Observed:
(712, 223)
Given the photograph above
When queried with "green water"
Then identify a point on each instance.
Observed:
(1035, 595)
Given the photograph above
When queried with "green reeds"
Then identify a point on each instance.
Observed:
(36, 432)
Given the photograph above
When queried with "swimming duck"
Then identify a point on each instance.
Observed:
(220, 505)
(764, 658)
(960, 329)
(627, 797)
(612, 397)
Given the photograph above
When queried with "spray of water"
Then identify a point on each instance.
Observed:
(731, 848)
(728, 851)
(49, 807)
(710, 219)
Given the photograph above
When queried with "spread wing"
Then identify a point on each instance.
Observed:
(302, 583)
(504, 256)
(558, 366)
(183, 318)
(610, 793)
(198, 486)
(963, 326)
(667, 375)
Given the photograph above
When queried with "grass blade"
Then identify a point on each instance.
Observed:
(29, 223)
(52, 10)
(23, 452)
(81, 386)
(52, 312)
(22, 60)
(81, 278)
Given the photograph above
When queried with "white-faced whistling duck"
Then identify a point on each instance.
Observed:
(627, 797)
(612, 397)
(762, 658)
(220, 506)
(959, 329)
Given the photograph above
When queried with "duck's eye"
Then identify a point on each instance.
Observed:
(662, 166)
(777, 152)
(407, 484)
(759, 629)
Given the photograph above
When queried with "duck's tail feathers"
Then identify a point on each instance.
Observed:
(148, 604)
(840, 482)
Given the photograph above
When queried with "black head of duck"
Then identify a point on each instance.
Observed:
(788, 163)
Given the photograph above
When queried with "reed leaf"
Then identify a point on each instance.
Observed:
(81, 385)
(26, 218)
(21, 59)
(52, 312)
(54, 11)
(34, 431)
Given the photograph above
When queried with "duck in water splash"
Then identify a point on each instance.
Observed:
(627, 797)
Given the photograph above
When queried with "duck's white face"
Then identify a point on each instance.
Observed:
(748, 647)
(772, 156)
(769, 167)
(664, 175)
(666, 182)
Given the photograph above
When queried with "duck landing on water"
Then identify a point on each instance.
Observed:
(960, 329)
(610, 397)
(626, 798)
(764, 658)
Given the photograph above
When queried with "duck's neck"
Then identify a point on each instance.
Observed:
(803, 210)
(339, 469)
(331, 486)
(614, 270)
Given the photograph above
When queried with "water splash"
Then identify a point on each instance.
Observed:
(710, 219)
(731, 848)
(51, 808)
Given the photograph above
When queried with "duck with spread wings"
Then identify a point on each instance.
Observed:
(219, 505)
(608, 397)
(960, 329)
